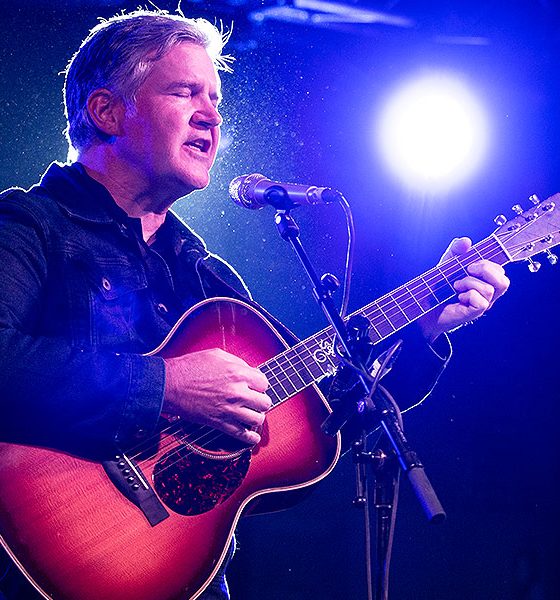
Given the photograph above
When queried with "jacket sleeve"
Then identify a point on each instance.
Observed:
(418, 367)
(53, 394)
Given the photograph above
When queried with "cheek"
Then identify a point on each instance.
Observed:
(161, 121)
(144, 134)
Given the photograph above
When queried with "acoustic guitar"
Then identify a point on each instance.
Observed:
(155, 522)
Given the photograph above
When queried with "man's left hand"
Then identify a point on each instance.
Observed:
(476, 293)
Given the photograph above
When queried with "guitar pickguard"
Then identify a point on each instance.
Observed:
(191, 481)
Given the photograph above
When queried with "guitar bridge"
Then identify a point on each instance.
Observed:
(128, 478)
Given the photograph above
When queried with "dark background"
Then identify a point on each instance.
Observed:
(301, 106)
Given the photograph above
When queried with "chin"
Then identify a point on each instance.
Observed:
(197, 184)
(198, 181)
(185, 184)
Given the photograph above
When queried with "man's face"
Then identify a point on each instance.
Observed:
(170, 138)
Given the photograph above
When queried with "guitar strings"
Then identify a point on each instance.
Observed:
(460, 261)
(220, 434)
(178, 427)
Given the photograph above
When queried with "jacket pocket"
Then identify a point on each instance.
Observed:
(118, 300)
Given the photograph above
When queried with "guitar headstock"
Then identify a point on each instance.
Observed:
(532, 231)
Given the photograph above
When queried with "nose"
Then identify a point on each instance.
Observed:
(207, 116)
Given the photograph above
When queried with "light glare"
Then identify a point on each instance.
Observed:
(433, 133)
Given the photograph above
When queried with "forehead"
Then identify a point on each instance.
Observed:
(185, 62)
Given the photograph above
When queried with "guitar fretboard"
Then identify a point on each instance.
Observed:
(309, 360)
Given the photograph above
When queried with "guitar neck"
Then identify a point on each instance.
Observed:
(308, 361)
(395, 310)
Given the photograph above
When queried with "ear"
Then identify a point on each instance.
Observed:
(106, 111)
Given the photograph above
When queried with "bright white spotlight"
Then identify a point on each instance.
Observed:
(433, 133)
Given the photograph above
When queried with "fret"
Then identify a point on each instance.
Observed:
(273, 395)
(499, 254)
(311, 366)
(280, 377)
(309, 360)
(438, 285)
(451, 273)
(285, 381)
(480, 255)
(430, 290)
(272, 392)
(408, 303)
(291, 371)
(283, 390)
(300, 372)
(287, 376)
(272, 379)
(309, 372)
(375, 334)
(424, 294)
(473, 255)
(488, 248)
(393, 312)
(379, 320)
(417, 294)
(310, 353)
(492, 249)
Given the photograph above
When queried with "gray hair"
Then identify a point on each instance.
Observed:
(118, 55)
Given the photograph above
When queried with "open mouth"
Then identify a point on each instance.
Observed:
(200, 145)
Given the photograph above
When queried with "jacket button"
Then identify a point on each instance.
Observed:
(106, 284)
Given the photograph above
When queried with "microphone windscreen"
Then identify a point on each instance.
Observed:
(241, 188)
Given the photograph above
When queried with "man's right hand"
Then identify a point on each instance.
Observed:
(213, 387)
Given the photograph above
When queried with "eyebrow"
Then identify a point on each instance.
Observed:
(191, 85)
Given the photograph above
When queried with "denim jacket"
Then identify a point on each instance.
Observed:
(82, 298)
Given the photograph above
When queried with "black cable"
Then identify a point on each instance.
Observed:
(349, 255)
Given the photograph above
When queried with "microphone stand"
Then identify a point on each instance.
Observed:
(406, 458)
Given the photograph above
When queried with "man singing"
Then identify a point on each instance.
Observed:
(95, 268)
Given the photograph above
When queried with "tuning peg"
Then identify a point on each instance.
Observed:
(552, 258)
(500, 220)
(517, 209)
(534, 199)
(533, 265)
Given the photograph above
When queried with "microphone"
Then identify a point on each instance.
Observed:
(255, 191)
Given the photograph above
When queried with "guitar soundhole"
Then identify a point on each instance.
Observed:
(191, 480)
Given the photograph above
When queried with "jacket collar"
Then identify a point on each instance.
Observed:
(84, 198)
(78, 194)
